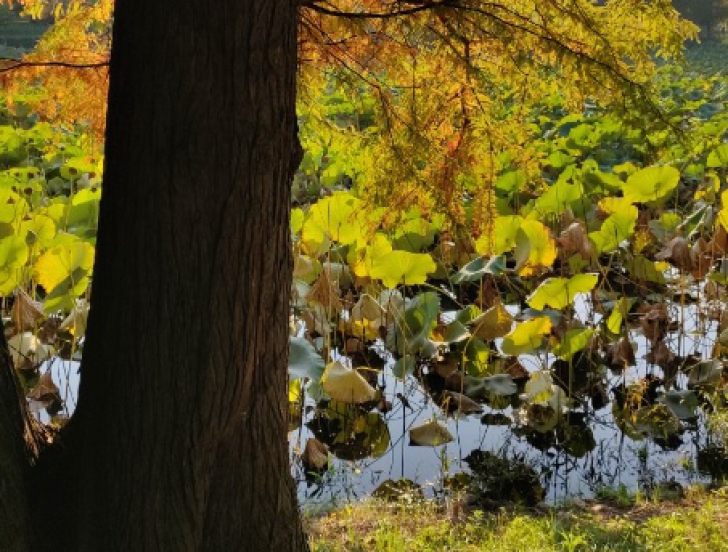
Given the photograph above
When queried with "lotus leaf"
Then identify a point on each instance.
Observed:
(526, 336)
(304, 361)
(345, 385)
(402, 268)
(430, 434)
(651, 184)
(559, 293)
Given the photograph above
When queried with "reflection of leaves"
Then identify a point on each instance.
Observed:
(430, 434)
(350, 433)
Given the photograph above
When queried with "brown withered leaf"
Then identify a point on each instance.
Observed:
(703, 258)
(493, 323)
(25, 313)
(446, 367)
(620, 354)
(660, 354)
(315, 455)
(719, 243)
(516, 370)
(654, 321)
(574, 240)
(353, 345)
(453, 402)
(44, 394)
(325, 292)
(677, 253)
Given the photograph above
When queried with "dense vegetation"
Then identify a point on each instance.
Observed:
(542, 258)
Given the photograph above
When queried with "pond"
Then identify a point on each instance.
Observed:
(595, 445)
(589, 449)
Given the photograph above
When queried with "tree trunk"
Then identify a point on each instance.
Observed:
(14, 516)
(179, 438)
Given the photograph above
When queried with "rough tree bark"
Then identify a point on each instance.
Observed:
(179, 439)
(13, 462)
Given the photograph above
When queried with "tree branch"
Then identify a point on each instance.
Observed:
(21, 64)
(416, 7)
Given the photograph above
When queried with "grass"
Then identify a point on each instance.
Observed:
(698, 522)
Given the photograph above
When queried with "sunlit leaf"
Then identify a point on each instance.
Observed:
(573, 341)
(402, 268)
(718, 158)
(526, 336)
(64, 272)
(651, 184)
(617, 228)
(535, 248)
(558, 293)
(333, 219)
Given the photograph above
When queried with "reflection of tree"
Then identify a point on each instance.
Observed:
(710, 15)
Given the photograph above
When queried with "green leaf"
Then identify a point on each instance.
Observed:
(558, 293)
(404, 366)
(557, 199)
(526, 336)
(475, 357)
(574, 341)
(503, 238)
(304, 361)
(456, 332)
(718, 158)
(618, 314)
(511, 181)
(535, 248)
(297, 217)
(617, 228)
(403, 268)
(13, 256)
(682, 403)
(411, 330)
(651, 184)
(476, 269)
(64, 272)
(333, 219)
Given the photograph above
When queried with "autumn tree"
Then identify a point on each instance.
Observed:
(178, 441)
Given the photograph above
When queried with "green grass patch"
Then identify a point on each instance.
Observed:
(698, 522)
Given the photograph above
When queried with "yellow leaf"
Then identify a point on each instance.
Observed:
(535, 248)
